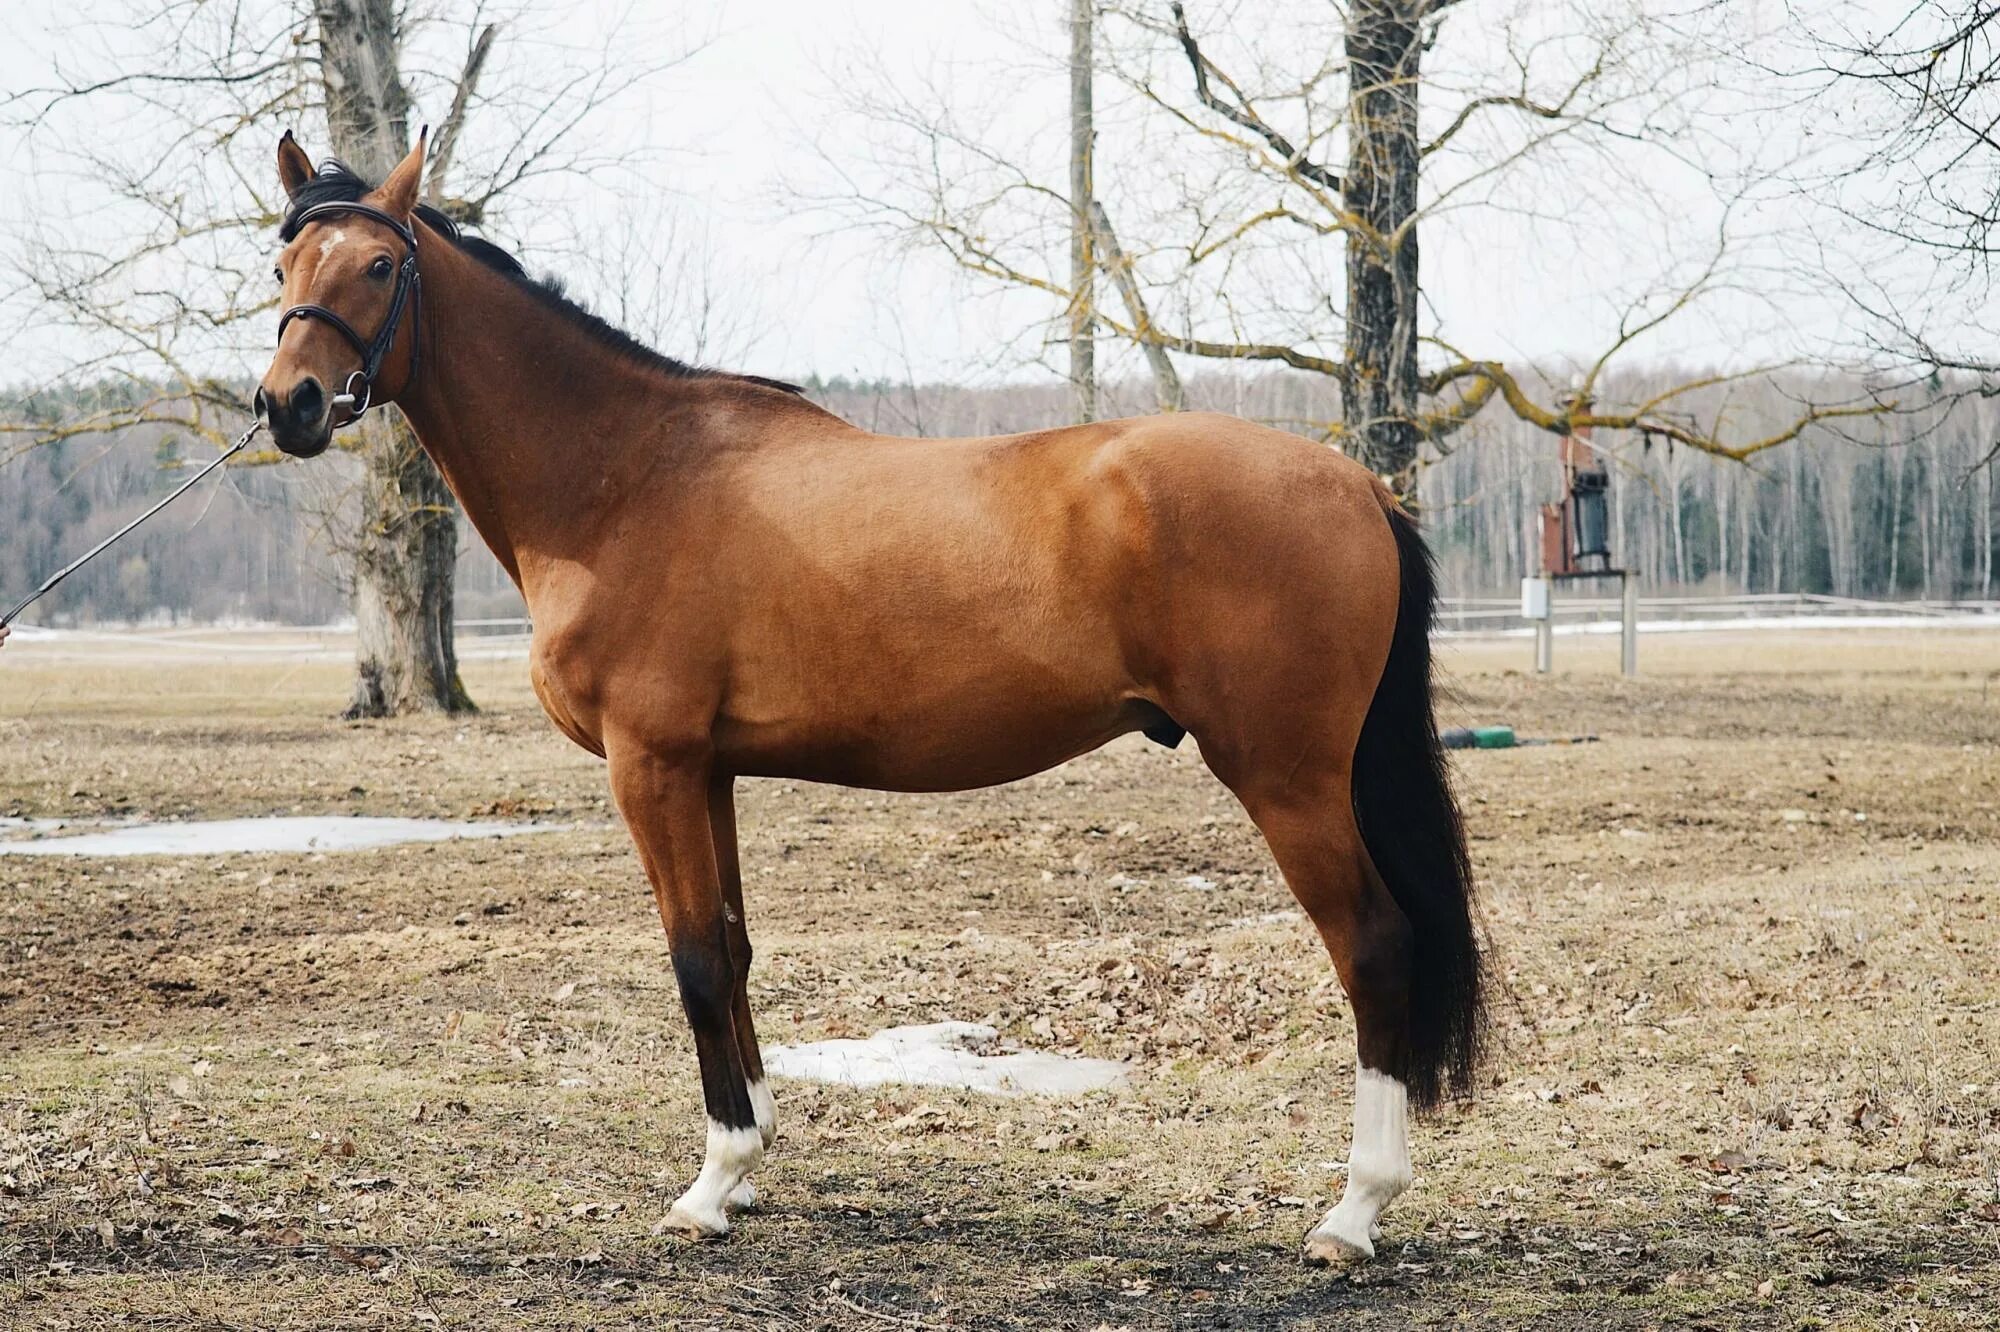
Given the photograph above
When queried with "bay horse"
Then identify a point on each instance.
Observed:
(727, 581)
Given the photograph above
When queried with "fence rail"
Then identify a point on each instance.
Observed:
(1748, 610)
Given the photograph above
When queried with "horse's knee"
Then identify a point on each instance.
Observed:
(705, 970)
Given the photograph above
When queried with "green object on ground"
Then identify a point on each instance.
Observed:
(1492, 737)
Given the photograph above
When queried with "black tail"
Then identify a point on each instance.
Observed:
(1410, 825)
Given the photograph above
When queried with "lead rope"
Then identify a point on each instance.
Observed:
(126, 530)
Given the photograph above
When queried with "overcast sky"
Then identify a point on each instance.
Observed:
(730, 144)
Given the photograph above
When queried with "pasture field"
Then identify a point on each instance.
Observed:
(1746, 1069)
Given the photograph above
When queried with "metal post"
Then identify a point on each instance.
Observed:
(1629, 625)
(1538, 606)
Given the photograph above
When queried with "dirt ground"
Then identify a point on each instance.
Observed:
(1748, 1071)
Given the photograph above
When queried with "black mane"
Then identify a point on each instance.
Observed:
(338, 183)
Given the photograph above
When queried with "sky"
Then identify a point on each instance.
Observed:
(719, 220)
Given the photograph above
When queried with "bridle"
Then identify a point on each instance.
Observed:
(408, 295)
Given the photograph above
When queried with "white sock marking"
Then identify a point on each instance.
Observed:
(1378, 1166)
(732, 1154)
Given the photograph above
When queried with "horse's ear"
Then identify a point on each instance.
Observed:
(294, 167)
(399, 192)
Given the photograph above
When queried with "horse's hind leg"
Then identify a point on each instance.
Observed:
(1308, 821)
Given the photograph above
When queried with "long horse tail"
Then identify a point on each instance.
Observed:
(1411, 827)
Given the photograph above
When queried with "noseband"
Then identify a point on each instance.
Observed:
(408, 295)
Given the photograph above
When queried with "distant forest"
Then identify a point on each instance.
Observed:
(1909, 513)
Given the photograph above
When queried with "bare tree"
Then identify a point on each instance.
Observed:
(1247, 160)
(175, 316)
(406, 546)
(1918, 89)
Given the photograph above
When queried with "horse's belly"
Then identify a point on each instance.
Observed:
(911, 745)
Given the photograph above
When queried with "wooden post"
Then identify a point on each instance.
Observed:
(1082, 251)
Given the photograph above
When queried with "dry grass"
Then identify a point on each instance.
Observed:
(1747, 1074)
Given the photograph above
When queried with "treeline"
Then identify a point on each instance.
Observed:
(243, 548)
(1902, 508)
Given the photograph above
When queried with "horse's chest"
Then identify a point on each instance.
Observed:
(562, 700)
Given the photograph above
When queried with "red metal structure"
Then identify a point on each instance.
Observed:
(1576, 545)
(1576, 530)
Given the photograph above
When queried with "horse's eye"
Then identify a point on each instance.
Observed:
(381, 267)
(279, 274)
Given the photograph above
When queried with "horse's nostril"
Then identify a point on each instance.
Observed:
(260, 405)
(308, 401)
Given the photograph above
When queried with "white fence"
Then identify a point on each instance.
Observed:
(1773, 610)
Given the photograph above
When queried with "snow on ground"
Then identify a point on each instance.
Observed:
(240, 836)
(943, 1054)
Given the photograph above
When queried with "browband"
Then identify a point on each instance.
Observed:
(408, 294)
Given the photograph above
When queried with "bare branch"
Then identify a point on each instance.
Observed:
(454, 120)
(1240, 111)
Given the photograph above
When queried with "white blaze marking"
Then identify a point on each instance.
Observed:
(1378, 1167)
(326, 246)
(732, 1154)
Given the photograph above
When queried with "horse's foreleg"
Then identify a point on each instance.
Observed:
(722, 823)
(666, 803)
(1312, 834)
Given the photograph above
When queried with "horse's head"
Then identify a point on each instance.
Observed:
(348, 335)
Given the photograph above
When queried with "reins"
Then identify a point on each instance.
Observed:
(107, 543)
(408, 295)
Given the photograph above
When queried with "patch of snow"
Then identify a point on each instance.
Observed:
(1200, 883)
(1267, 918)
(35, 826)
(248, 836)
(943, 1054)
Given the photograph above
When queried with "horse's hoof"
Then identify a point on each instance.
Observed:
(692, 1223)
(1329, 1248)
(741, 1198)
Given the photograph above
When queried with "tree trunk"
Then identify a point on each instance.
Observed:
(1082, 256)
(1985, 532)
(406, 552)
(1379, 406)
(1896, 529)
(403, 564)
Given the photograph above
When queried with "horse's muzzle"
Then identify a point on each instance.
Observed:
(300, 422)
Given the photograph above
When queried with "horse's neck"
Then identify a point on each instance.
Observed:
(535, 426)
